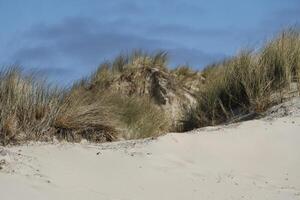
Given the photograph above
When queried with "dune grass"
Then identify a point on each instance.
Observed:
(32, 110)
(123, 99)
(109, 116)
(27, 107)
(95, 110)
(247, 82)
(140, 117)
(185, 74)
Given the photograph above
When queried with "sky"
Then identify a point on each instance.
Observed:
(67, 39)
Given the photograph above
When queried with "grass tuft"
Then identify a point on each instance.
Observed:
(247, 82)
(132, 96)
(27, 107)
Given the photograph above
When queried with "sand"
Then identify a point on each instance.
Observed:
(258, 159)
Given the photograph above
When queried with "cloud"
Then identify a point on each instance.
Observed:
(127, 7)
(35, 54)
(80, 44)
(83, 40)
(287, 16)
(194, 57)
(194, 32)
(284, 17)
(176, 30)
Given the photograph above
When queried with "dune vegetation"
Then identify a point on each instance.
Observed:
(139, 95)
(28, 107)
(249, 82)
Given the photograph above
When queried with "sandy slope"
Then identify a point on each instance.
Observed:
(258, 159)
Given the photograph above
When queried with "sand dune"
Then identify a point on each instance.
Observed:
(258, 159)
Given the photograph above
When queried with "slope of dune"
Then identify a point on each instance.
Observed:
(258, 159)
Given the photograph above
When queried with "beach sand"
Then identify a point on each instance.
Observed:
(257, 159)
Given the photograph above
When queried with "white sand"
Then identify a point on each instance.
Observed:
(258, 159)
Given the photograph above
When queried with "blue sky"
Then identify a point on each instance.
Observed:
(68, 39)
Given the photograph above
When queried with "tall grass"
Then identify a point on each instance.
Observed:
(27, 107)
(124, 98)
(32, 110)
(125, 66)
(137, 59)
(184, 74)
(107, 116)
(110, 104)
(140, 116)
(247, 82)
(282, 57)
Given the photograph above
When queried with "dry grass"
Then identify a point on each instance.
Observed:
(184, 74)
(95, 109)
(246, 82)
(107, 116)
(282, 56)
(137, 59)
(83, 116)
(27, 107)
(141, 117)
(123, 99)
